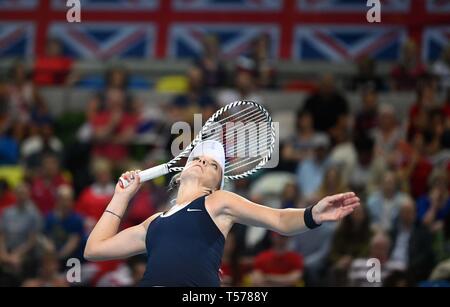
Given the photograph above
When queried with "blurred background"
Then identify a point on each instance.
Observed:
(361, 106)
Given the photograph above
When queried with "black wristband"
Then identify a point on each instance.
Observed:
(309, 221)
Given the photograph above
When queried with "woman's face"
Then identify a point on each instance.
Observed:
(206, 169)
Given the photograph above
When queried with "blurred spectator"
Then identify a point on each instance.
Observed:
(388, 133)
(245, 86)
(378, 253)
(416, 166)
(442, 241)
(264, 69)
(366, 77)
(351, 240)
(230, 269)
(314, 245)
(48, 274)
(291, 196)
(7, 197)
(9, 148)
(53, 68)
(434, 207)
(278, 267)
(441, 69)
(332, 183)
(45, 183)
(37, 145)
(211, 64)
(327, 98)
(301, 146)
(64, 228)
(93, 199)
(362, 176)
(126, 274)
(113, 128)
(311, 171)
(366, 120)
(384, 203)
(412, 243)
(19, 227)
(426, 101)
(22, 93)
(407, 72)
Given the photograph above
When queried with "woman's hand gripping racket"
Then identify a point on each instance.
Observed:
(246, 132)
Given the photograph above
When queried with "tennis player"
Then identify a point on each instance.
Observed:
(185, 244)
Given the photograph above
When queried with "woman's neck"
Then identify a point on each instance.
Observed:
(189, 190)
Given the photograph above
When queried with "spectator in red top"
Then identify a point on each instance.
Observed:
(113, 128)
(45, 184)
(94, 199)
(53, 68)
(278, 267)
(426, 101)
(407, 72)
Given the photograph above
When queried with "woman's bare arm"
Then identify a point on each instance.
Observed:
(283, 221)
(104, 242)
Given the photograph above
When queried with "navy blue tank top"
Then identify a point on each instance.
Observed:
(184, 249)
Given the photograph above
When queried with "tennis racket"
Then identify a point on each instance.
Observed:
(246, 132)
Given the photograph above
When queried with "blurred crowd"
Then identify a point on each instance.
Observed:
(59, 173)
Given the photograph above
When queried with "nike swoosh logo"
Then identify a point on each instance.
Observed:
(190, 210)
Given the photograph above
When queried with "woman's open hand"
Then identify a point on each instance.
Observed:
(335, 207)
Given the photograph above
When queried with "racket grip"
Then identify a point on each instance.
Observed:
(147, 174)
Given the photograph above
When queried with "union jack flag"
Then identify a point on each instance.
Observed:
(435, 40)
(16, 39)
(234, 40)
(116, 5)
(438, 6)
(104, 41)
(351, 5)
(331, 30)
(344, 43)
(18, 4)
(208, 5)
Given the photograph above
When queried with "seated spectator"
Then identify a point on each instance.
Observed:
(37, 145)
(351, 240)
(327, 98)
(64, 228)
(211, 64)
(314, 245)
(332, 183)
(416, 166)
(301, 146)
(48, 274)
(278, 267)
(378, 257)
(412, 243)
(310, 172)
(7, 196)
(426, 101)
(406, 73)
(388, 133)
(441, 69)
(230, 271)
(366, 76)
(384, 203)
(291, 196)
(366, 119)
(126, 274)
(265, 72)
(244, 87)
(113, 128)
(362, 176)
(45, 183)
(52, 68)
(434, 207)
(93, 199)
(19, 226)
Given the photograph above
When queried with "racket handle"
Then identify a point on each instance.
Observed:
(147, 174)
